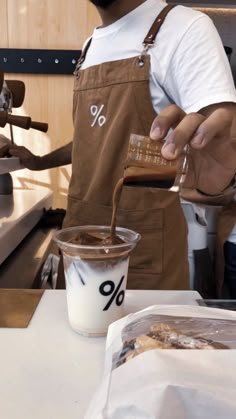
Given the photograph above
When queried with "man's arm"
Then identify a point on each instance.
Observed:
(56, 158)
(227, 107)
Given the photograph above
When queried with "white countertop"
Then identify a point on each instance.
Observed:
(47, 371)
(19, 213)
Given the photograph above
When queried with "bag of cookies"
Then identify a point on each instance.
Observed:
(169, 362)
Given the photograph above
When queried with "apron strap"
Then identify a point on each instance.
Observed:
(85, 50)
(82, 57)
(150, 37)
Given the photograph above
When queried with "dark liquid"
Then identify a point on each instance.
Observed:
(88, 239)
(136, 181)
(115, 203)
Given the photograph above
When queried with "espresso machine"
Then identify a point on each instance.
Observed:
(12, 94)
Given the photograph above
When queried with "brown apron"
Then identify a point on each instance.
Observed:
(111, 101)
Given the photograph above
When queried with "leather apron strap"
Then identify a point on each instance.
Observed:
(151, 36)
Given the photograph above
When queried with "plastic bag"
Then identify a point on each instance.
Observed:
(157, 331)
(167, 383)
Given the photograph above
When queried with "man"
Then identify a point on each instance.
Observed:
(178, 87)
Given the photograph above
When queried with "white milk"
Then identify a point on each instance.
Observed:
(94, 303)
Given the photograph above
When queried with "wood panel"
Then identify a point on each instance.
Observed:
(4, 23)
(46, 24)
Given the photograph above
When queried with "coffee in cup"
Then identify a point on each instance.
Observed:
(96, 275)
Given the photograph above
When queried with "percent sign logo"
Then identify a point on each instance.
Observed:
(98, 118)
(109, 288)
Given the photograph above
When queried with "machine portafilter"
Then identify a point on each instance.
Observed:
(24, 122)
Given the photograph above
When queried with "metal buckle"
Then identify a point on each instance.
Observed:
(141, 58)
(146, 48)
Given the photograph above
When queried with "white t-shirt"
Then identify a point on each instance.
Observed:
(189, 66)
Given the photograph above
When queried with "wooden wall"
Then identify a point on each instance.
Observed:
(46, 24)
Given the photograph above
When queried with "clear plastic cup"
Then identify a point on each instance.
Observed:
(96, 277)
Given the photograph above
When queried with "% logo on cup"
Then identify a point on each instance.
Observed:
(109, 288)
(98, 118)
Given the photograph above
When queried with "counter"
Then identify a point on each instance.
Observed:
(47, 370)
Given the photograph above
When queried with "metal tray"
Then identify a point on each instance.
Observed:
(223, 304)
(10, 164)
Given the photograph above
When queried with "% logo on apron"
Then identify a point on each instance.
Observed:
(96, 113)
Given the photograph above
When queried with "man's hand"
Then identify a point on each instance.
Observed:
(211, 136)
(196, 129)
(28, 159)
(56, 158)
(5, 143)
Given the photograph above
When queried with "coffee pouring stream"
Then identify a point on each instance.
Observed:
(145, 167)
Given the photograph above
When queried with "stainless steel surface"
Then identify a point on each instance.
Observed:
(19, 213)
(22, 268)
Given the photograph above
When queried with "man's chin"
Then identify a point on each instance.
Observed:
(103, 4)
